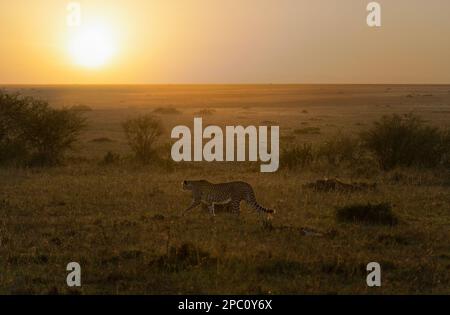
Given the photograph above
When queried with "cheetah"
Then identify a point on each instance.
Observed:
(224, 193)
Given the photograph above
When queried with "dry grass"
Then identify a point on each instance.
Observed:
(121, 221)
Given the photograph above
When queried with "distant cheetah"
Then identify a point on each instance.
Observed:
(224, 193)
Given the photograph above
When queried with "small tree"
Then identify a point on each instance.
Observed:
(32, 131)
(142, 133)
(51, 133)
(12, 109)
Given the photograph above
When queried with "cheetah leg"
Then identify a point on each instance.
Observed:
(192, 206)
(236, 208)
(211, 209)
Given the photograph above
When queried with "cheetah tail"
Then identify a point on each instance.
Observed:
(255, 205)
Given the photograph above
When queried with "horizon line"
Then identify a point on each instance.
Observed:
(211, 84)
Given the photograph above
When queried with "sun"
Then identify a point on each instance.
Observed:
(92, 46)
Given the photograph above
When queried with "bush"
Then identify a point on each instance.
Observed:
(377, 214)
(142, 134)
(406, 141)
(298, 156)
(11, 143)
(340, 149)
(33, 132)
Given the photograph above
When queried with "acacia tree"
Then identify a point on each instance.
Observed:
(33, 132)
(51, 132)
(12, 110)
(142, 134)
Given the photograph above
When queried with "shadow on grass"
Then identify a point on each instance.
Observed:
(371, 214)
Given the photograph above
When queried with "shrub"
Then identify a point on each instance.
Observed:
(50, 133)
(406, 141)
(142, 133)
(298, 156)
(377, 214)
(339, 149)
(12, 152)
(33, 132)
(12, 107)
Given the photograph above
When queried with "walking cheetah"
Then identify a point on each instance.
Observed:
(224, 193)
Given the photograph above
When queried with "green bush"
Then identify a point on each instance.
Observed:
(33, 132)
(406, 141)
(142, 133)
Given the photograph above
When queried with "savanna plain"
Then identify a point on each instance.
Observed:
(121, 220)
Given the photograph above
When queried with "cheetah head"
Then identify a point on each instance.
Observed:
(186, 185)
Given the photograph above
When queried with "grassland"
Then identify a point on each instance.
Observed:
(122, 221)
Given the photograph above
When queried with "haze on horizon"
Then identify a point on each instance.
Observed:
(246, 41)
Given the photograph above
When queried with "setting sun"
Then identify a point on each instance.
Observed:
(92, 46)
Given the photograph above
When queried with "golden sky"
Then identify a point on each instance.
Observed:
(226, 41)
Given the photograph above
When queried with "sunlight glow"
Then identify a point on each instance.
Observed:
(92, 46)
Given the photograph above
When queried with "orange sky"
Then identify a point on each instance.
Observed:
(230, 41)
